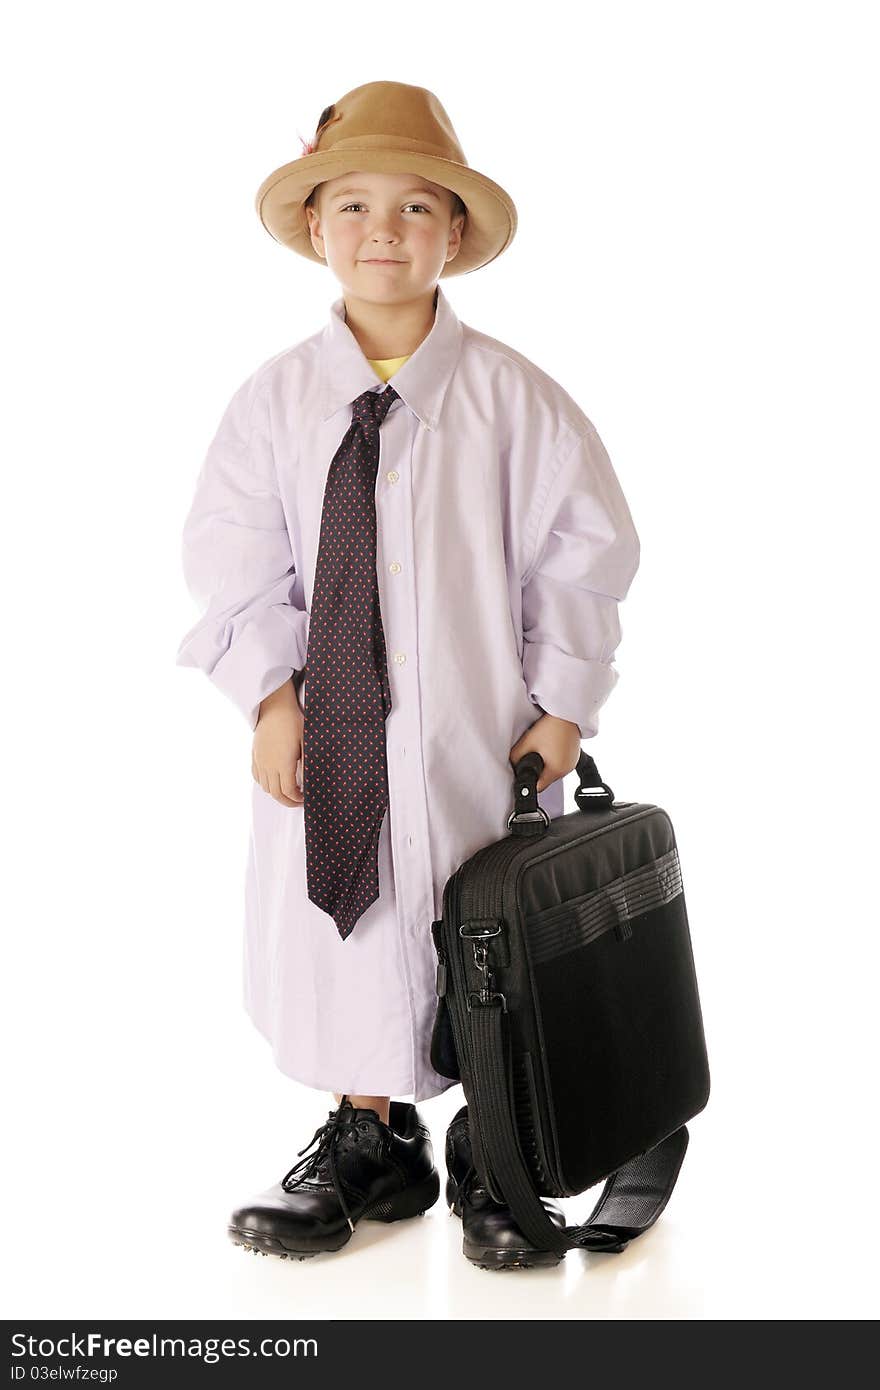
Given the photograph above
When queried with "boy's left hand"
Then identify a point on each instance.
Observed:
(559, 743)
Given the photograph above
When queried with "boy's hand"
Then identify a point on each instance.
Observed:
(559, 743)
(277, 747)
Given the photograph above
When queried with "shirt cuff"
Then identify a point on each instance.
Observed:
(259, 653)
(567, 686)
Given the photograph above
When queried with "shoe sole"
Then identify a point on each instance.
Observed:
(499, 1257)
(505, 1257)
(412, 1201)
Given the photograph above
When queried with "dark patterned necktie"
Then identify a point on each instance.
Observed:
(345, 773)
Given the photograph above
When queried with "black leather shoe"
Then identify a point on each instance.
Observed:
(491, 1237)
(360, 1169)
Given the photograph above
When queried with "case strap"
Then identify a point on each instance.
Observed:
(632, 1198)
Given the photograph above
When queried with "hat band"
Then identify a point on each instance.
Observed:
(394, 142)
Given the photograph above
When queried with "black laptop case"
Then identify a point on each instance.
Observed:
(568, 1008)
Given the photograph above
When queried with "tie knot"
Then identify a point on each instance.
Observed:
(373, 406)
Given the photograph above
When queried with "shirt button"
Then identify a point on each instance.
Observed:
(400, 658)
(394, 567)
(392, 476)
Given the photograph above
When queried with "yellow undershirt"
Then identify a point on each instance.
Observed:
(387, 366)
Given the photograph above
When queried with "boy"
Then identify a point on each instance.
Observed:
(433, 521)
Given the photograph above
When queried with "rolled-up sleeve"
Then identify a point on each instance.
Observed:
(238, 563)
(585, 557)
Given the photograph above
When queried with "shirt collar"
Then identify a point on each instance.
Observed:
(422, 380)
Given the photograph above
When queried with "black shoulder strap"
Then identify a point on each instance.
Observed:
(632, 1198)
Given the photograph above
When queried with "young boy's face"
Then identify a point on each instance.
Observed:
(386, 237)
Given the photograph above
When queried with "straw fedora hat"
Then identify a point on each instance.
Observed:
(389, 128)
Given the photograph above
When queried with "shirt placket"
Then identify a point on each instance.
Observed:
(407, 792)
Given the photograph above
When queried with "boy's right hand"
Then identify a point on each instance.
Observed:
(277, 747)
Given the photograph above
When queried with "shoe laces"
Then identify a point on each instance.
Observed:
(471, 1183)
(323, 1160)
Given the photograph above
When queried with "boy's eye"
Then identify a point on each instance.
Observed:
(360, 205)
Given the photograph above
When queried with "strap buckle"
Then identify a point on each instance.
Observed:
(484, 997)
(486, 993)
(483, 927)
(525, 817)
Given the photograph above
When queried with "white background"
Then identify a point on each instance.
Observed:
(696, 263)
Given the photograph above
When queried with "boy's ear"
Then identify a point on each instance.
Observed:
(314, 224)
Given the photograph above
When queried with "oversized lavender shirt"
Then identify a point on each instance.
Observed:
(504, 546)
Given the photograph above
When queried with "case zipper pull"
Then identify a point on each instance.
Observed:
(441, 973)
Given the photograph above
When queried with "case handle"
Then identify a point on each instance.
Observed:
(528, 818)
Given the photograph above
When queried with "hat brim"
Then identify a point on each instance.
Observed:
(491, 221)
